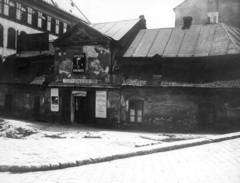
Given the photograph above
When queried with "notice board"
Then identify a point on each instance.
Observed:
(101, 104)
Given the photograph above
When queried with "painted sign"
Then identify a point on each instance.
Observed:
(54, 99)
(79, 62)
(101, 104)
(80, 81)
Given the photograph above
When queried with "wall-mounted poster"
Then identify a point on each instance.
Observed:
(101, 104)
(79, 63)
(54, 99)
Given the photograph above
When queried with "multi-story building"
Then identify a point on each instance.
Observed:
(209, 11)
(30, 17)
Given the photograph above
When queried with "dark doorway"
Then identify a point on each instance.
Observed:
(206, 113)
(84, 108)
(37, 106)
(136, 111)
(8, 102)
(65, 102)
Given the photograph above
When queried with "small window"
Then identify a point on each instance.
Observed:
(35, 18)
(29, 15)
(6, 7)
(53, 25)
(65, 27)
(61, 28)
(12, 10)
(136, 111)
(39, 19)
(21, 13)
(11, 38)
(1, 35)
(57, 27)
(44, 22)
(49, 19)
(1, 6)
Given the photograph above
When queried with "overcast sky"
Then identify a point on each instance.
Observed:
(158, 13)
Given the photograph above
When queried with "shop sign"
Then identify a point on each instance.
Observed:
(54, 99)
(101, 104)
(80, 81)
(79, 62)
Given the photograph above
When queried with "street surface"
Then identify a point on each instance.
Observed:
(211, 163)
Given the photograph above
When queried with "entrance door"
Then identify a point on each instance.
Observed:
(136, 111)
(80, 109)
(206, 114)
(84, 108)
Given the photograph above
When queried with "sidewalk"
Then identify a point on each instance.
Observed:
(56, 147)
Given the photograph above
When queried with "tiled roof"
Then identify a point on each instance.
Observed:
(198, 41)
(115, 30)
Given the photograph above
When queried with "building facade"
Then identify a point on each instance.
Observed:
(29, 17)
(209, 11)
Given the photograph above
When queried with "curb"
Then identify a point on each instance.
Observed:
(138, 152)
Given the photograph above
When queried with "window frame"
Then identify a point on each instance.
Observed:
(11, 42)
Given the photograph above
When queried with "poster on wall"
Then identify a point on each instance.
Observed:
(54, 99)
(101, 104)
(79, 62)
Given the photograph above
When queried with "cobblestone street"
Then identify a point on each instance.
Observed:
(215, 162)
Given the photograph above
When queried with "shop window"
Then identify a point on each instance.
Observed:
(6, 7)
(49, 19)
(21, 13)
(57, 27)
(136, 111)
(8, 102)
(11, 38)
(29, 15)
(12, 10)
(1, 6)
(1, 35)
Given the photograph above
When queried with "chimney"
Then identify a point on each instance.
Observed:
(187, 22)
(143, 20)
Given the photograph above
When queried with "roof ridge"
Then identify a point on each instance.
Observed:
(114, 21)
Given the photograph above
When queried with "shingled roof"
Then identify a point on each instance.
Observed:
(197, 41)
